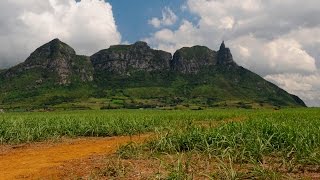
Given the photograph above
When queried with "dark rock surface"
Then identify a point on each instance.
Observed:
(190, 60)
(124, 59)
(224, 56)
(58, 58)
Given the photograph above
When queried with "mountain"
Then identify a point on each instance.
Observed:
(129, 65)
(54, 62)
(123, 59)
(135, 76)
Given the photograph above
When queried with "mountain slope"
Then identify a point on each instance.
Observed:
(219, 78)
(56, 58)
(49, 71)
(135, 76)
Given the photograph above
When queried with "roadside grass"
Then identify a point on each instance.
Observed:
(294, 137)
(185, 165)
(18, 128)
(266, 145)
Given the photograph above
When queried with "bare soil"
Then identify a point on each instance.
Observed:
(42, 160)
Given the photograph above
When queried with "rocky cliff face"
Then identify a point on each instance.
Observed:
(224, 56)
(57, 58)
(124, 59)
(191, 60)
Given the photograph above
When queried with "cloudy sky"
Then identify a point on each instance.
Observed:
(278, 39)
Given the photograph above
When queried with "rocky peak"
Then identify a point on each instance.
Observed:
(141, 44)
(192, 59)
(222, 46)
(58, 46)
(51, 50)
(224, 56)
(123, 59)
(54, 57)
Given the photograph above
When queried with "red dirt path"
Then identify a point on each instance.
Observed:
(31, 161)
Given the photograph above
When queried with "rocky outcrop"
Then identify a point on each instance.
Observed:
(191, 60)
(54, 57)
(82, 69)
(124, 59)
(224, 56)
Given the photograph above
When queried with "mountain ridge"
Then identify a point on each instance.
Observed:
(191, 76)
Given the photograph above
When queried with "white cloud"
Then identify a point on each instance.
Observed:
(282, 55)
(168, 18)
(155, 22)
(87, 26)
(244, 52)
(169, 40)
(227, 22)
(308, 38)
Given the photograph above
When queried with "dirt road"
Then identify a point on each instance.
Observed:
(26, 162)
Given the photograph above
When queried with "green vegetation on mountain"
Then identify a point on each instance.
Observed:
(135, 76)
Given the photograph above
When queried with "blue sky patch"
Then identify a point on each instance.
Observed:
(132, 16)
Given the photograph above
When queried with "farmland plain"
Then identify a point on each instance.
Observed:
(205, 144)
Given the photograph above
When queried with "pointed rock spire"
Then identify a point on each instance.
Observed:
(222, 46)
(225, 56)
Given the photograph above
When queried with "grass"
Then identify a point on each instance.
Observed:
(264, 145)
(291, 135)
(212, 144)
(40, 126)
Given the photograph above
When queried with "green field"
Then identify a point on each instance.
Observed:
(38, 126)
(288, 138)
